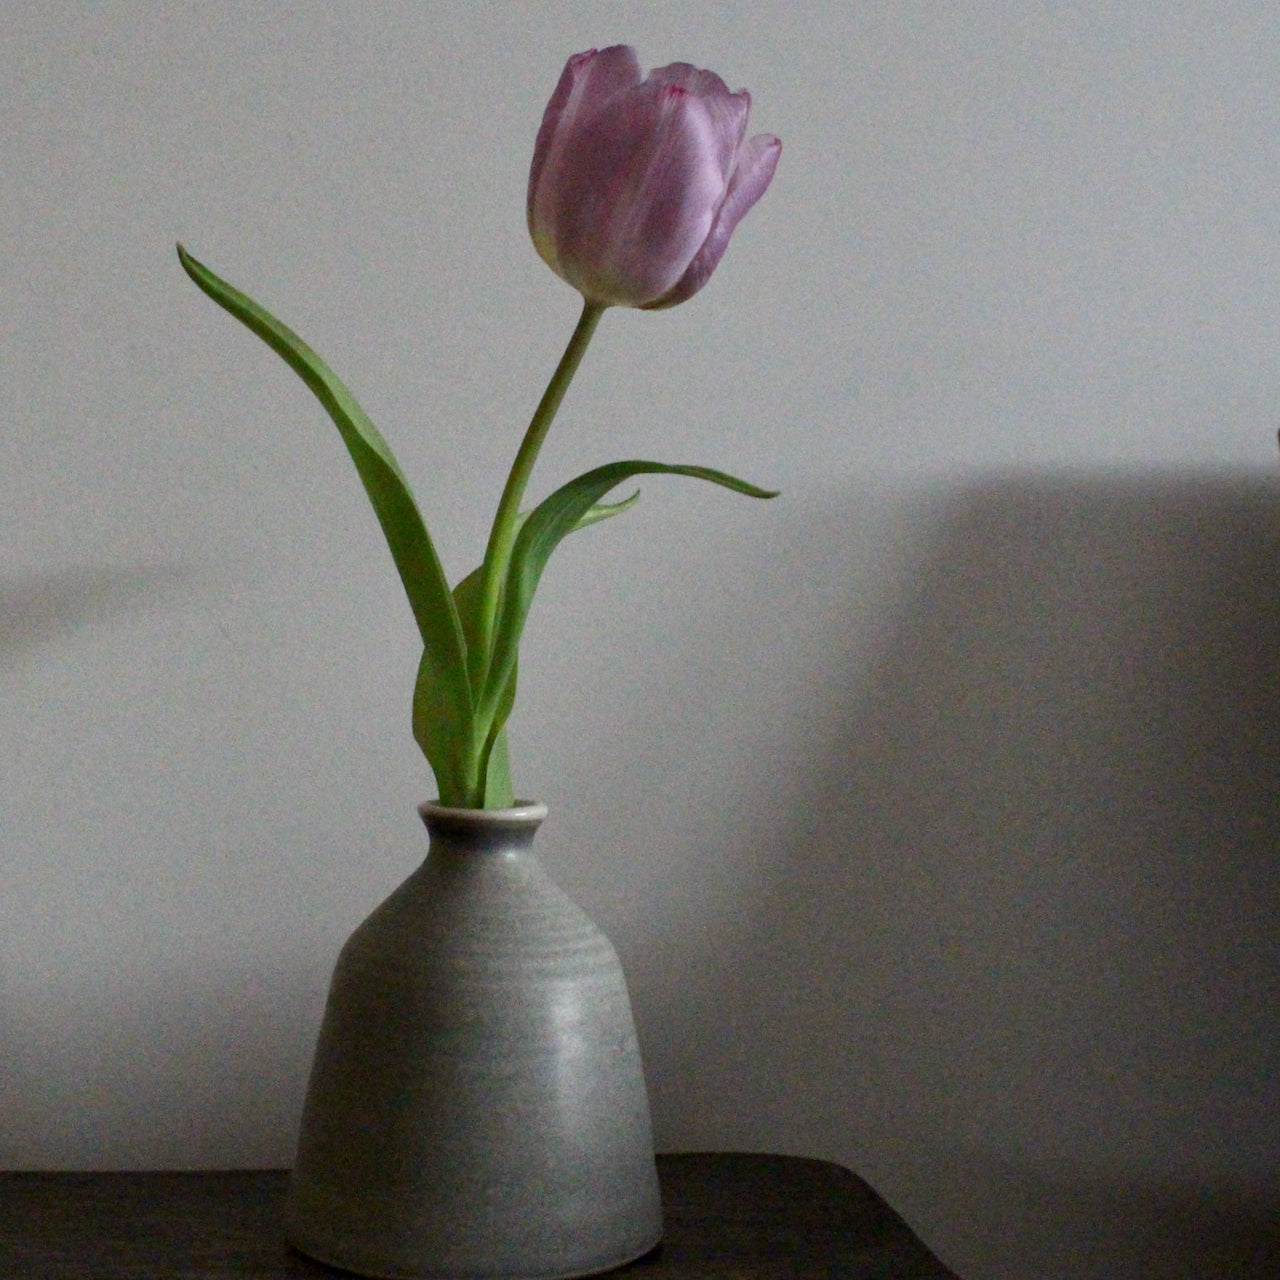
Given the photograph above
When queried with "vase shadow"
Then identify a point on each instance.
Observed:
(1075, 1224)
(1022, 896)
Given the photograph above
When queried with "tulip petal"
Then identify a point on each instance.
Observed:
(756, 163)
(639, 198)
(684, 75)
(588, 81)
(637, 184)
(728, 111)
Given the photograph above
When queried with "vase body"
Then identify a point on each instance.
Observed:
(476, 1106)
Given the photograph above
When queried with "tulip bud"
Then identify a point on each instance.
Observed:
(637, 184)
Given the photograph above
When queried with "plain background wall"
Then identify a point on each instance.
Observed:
(932, 807)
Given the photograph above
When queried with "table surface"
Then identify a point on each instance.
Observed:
(728, 1217)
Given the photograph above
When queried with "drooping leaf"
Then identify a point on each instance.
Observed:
(604, 510)
(543, 530)
(444, 656)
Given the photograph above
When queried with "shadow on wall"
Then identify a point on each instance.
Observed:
(1028, 919)
(1013, 952)
(40, 610)
(1023, 1222)
(168, 1070)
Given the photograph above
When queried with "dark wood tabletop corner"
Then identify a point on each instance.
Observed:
(728, 1217)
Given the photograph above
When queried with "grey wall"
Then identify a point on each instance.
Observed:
(933, 807)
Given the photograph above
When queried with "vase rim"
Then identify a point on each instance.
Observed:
(521, 811)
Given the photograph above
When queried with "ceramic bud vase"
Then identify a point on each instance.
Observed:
(476, 1105)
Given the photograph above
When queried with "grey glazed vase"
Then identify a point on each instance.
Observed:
(476, 1106)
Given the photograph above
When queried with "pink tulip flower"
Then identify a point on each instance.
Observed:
(637, 184)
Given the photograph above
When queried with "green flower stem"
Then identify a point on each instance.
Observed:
(497, 556)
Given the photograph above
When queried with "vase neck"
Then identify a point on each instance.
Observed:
(483, 830)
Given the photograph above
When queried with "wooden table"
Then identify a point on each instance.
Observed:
(728, 1217)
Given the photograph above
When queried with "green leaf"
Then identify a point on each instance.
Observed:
(603, 510)
(492, 762)
(498, 791)
(543, 530)
(444, 663)
(446, 744)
